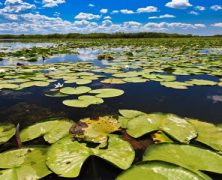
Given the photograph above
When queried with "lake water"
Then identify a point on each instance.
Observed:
(31, 105)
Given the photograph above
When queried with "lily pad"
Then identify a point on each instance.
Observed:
(107, 93)
(77, 90)
(66, 156)
(113, 81)
(6, 132)
(95, 130)
(201, 82)
(208, 134)
(52, 131)
(83, 101)
(175, 85)
(24, 163)
(161, 171)
(9, 86)
(171, 124)
(187, 156)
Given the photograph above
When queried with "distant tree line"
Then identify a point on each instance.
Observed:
(98, 35)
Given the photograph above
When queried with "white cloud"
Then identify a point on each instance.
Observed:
(179, 4)
(115, 12)
(87, 16)
(52, 3)
(91, 5)
(126, 11)
(107, 17)
(194, 13)
(103, 11)
(217, 25)
(216, 7)
(16, 6)
(162, 16)
(147, 9)
(200, 8)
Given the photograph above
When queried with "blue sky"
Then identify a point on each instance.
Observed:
(202, 17)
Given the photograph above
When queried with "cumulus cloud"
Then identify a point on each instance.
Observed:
(178, 4)
(126, 11)
(200, 8)
(147, 9)
(216, 7)
(219, 25)
(16, 6)
(103, 11)
(52, 3)
(107, 17)
(162, 16)
(115, 12)
(91, 5)
(194, 13)
(87, 16)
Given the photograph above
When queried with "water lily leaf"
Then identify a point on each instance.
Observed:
(130, 113)
(95, 130)
(83, 101)
(77, 90)
(33, 83)
(66, 156)
(107, 93)
(113, 81)
(83, 81)
(9, 86)
(135, 80)
(6, 132)
(161, 171)
(208, 134)
(24, 163)
(201, 82)
(55, 94)
(169, 123)
(175, 85)
(52, 131)
(187, 156)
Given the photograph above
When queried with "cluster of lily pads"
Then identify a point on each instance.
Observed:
(72, 78)
(37, 53)
(182, 147)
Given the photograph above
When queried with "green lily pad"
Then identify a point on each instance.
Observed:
(95, 130)
(66, 156)
(107, 93)
(135, 80)
(52, 131)
(33, 83)
(187, 156)
(160, 171)
(24, 163)
(175, 85)
(9, 86)
(169, 123)
(83, 81)
(83, 101)
(201, 82)
(130, 113)
(208, 134)
(77, 90)
(113, 81)
(6, 132)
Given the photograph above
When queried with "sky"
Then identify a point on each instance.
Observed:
(198, 17)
